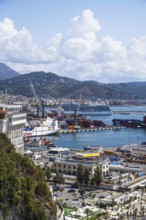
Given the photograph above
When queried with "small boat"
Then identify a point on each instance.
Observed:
(93, 148)
(42, 128)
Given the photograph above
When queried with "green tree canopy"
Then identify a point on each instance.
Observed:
(58, 178)
(22, 185)
(97, 178)
(83, 174)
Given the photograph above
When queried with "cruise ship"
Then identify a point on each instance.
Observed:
(84, 109)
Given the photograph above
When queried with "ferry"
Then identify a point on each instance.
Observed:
(41, 128)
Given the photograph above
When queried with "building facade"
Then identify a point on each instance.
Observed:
(69, 167)
(12, 124)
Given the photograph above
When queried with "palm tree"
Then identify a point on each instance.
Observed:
(142, 211)
(75, 195)
(61, 190)
(127, 214)
(93, 197)
(87, 211)
(76, 209)
(133, 210)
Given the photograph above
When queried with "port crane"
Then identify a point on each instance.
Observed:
(76, 112)
(40, 105)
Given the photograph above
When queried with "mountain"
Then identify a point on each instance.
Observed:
(6, 72)
(51, 85)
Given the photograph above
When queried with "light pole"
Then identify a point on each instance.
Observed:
(129, 133)
(138, 141)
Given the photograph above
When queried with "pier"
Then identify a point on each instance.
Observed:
(68, 131)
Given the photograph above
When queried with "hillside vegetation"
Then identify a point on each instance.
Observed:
(51, 85)
(23, 191)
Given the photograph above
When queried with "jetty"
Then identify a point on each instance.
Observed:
(68, 131)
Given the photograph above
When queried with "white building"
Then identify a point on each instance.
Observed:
(12, 121)
(69, 167)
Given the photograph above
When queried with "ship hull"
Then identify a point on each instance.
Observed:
(38, 133)
(87, 109)
(90, 113)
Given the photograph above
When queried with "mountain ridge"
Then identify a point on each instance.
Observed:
(52, 85)
(7, 72)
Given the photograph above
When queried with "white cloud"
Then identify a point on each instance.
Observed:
(80, 55)
(83, 24)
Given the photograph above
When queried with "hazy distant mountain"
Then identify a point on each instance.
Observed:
(51, 85)
(6, 72)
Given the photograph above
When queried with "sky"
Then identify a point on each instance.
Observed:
(101, 40)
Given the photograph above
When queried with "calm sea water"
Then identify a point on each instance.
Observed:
(106, 138)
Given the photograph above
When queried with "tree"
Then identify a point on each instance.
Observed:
(48, 172)
(58, 179)
(86, 176)
(93, 197)
(76, 184)
(76, 210)
(61, 190)
(87, 212)
(23, 189)
(97, 178)
(74, 195)
(41, 189)
(80, 173)
(82, 191)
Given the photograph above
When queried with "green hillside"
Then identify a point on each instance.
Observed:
(23, 191)
(51, 85)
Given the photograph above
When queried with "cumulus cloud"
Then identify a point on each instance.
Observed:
(84, 24)
(80, 54)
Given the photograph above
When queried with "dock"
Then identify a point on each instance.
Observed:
(68, 131)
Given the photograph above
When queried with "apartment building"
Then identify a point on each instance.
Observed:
(12, 122)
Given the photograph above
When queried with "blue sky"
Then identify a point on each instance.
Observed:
(103, 40)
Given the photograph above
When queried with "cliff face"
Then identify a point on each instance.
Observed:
(12, 214)
(24, 194)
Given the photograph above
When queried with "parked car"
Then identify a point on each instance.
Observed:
(71, 190)
(55, 188)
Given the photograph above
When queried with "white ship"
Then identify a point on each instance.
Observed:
(84, 109)
(41, 128)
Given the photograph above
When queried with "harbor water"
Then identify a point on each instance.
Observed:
(106, 138)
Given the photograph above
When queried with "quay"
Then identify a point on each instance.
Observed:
(68, 131)
(128, 112)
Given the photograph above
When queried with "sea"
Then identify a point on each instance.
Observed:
(106, 138)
